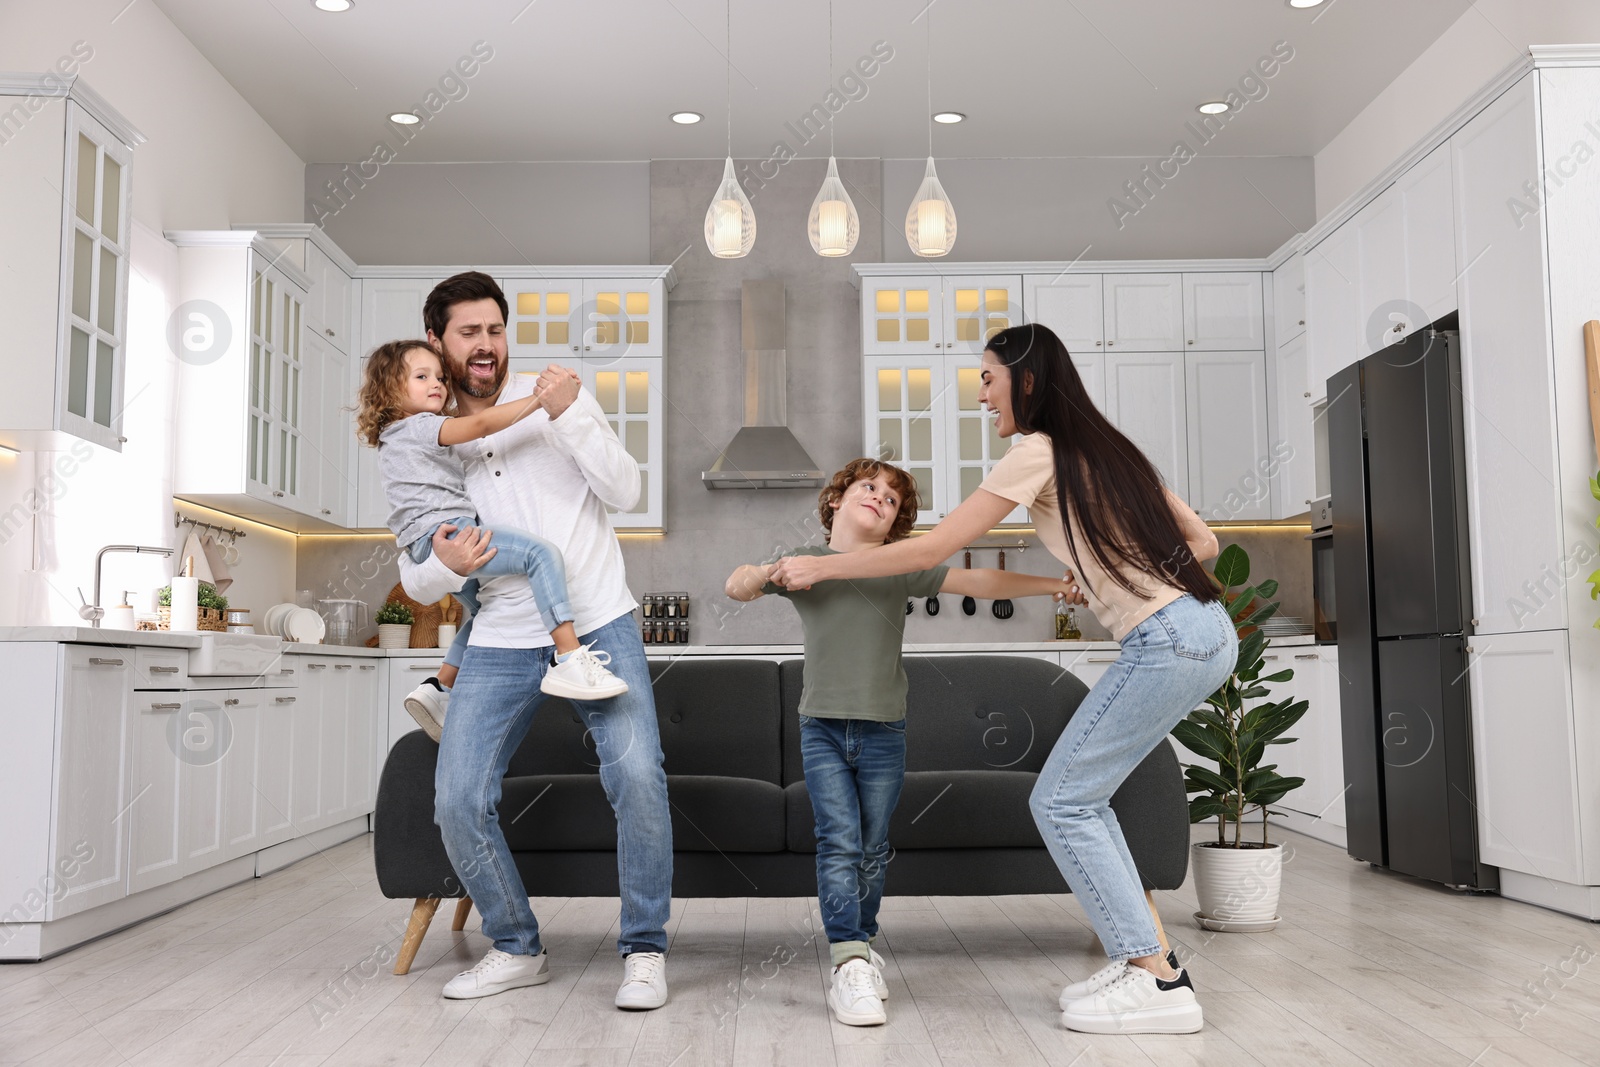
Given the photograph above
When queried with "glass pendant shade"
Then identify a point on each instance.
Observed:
(834, 225)
(931, 221)
(730, 220)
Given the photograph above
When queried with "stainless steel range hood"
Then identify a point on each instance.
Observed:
(764, 453)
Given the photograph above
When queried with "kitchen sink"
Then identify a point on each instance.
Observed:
(234, 654)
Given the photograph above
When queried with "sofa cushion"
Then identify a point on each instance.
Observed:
(963, 713)
(941, 809)
(569, 812)
(714, 717)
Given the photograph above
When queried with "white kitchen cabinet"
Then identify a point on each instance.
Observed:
(978, 307)
(1089, 665)
(554, 320)
(1289, 299)
(1333, 309)
(931, 313)
(1427, 207)
(328, 440)
(1293, 433)
(631, 391)
(1508, 403)
(275, 766)
(1317, 754)
(402, 675)
(391, 310)
(1223, 312)
(1146, 399)
(178, 752)
(331, 308)
(88, 826)
(906, 404)
(972, 447)
(1524, 755)
(65, 235)
(242, 817)
(363, 749)
(1381, 305)
(1072, 306)
(1143, 312)
(1230, 456)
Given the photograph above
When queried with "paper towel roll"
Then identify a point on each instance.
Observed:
(185, 603)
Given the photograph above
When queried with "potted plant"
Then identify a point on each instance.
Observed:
(210, 602)
(394, 625)
(1238, 881)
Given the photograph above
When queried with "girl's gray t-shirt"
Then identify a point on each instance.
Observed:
(422, 480)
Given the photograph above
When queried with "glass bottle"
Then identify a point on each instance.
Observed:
(1066, 624)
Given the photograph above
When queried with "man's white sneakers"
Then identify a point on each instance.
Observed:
(427, 705)
(1137, 1002)
(497, 972)
(878, 983)
(583, 676)
(644, 981)
(853, 996)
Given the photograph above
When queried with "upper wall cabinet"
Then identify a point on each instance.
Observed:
(1333, 320)
(1289, 299)
(64, 237)
(591, 318)
(929, 313)
(1222, 312)
(1144, 312)
(1071, 305)
(391, 310)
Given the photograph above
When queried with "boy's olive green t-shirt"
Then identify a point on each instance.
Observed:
(855, 632)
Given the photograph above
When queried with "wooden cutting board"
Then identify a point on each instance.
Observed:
(1591, 346)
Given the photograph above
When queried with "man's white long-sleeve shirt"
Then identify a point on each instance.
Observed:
(552, 478)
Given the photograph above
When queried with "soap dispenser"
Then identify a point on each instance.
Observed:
(121, 616)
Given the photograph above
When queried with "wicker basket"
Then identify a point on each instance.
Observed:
(210, 619)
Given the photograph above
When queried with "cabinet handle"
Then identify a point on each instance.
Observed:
(286, 670)
(96, 661)
(341, 666)
(165, 707)
(1270, 655)
(1110, 343)
(277, 492)
(283, 700)
(1191, 341)
(1307, 395)
(369, 667)
(1097, 344)
(231, 701)
(421, 667)
(163, 670)
(316, 666)
(328, 332)
(1307, 655)
(1399, 326)
(1302, 322)
(1100, 659)
(326, 511)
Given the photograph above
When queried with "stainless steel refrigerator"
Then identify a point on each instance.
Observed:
(1403, 588)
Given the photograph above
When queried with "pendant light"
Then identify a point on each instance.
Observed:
(931, 220)
(833, 225)
(730, 220)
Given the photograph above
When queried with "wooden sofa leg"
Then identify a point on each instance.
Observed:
(463, 909)
(1161, 931)
(421, 915)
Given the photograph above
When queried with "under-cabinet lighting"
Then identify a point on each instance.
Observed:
(7, 450)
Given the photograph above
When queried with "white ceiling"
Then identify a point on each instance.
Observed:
(574, 80)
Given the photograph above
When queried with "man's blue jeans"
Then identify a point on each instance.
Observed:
(854, 771)
(491, 708)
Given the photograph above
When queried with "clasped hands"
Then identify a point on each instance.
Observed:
(802, 572)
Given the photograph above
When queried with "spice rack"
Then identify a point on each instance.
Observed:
(664, 618)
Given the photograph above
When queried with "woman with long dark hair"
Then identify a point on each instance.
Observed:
(1099, 506)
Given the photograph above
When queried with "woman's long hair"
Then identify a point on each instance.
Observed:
(1113, 491)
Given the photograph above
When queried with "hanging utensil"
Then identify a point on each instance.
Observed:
(932, 605)
(911, 605)
(969, 606)
(1003, 609)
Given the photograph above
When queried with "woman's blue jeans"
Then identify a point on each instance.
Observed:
(854, 771)
(1169, 664)
(516, 552)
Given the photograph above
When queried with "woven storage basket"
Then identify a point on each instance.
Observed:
(210, 619)
(425, 618)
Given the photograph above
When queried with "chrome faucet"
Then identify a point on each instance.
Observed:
(94, 612)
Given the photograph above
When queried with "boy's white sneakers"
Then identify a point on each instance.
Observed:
(878, 983)
(497, 972)
(583, 676)
(1137, 1002)
(853, 996)
(427, 705)
(644, 981)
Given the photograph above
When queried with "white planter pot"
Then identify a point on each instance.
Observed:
(1237, 887)
(394, 635)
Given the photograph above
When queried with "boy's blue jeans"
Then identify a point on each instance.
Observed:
(854, 771)
(518, 552)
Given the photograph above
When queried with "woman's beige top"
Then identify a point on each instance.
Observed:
(1026, 475)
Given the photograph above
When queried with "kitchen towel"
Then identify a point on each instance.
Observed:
(202, 562)
(221, 576)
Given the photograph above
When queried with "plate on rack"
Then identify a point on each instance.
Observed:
(305, 626)
(272, 621)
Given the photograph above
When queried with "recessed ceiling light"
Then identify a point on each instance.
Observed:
(1212, 107)
(686, 118)
(1305, 3)
(333, 5)
(948, 117)
(404, 118)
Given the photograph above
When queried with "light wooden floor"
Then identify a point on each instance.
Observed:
(293, 969)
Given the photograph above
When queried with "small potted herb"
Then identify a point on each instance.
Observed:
(394, 625)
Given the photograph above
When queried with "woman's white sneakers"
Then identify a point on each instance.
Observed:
(853, 995)
(497, 972)
(1102, 978)
(1137, 1002)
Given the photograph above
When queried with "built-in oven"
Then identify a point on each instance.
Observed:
(1325, 613)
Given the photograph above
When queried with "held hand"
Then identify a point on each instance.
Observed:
(799, 572)
(557, 389)
(1070, 591)
(466, 552)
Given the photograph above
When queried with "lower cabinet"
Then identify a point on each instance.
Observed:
(336, 736)
(176, 827)
(1317, 753)
(405, 673)
(88, 829)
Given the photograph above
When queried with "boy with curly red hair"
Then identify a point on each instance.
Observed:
(853, 707)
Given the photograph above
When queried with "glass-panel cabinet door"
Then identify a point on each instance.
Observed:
(904, 403)
(541, 318)
(976, 308)
(632, 397)
(974, 445)
(901, 315)
(622, 317)
(94, 276)
(263, 364)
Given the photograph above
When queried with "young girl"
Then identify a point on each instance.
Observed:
(1099, 506)
(403, 395)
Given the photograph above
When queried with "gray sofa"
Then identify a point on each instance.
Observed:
(979, 729)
